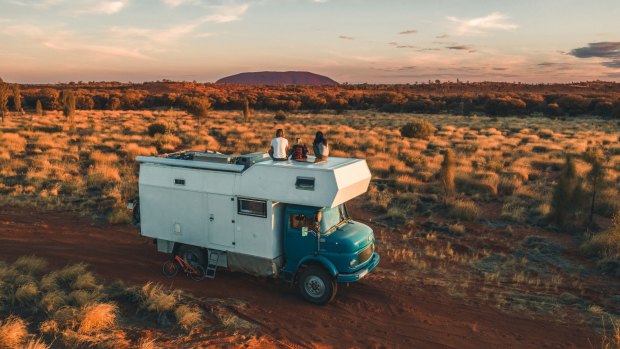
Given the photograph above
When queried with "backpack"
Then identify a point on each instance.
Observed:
(298, 152)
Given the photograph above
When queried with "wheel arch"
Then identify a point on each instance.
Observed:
(318, 261)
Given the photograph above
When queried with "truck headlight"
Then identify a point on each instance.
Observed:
(353, 262)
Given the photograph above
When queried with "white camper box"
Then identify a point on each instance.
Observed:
(216, 203)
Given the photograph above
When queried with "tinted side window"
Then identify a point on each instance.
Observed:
(257, 208)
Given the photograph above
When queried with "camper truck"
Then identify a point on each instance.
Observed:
(251, 214)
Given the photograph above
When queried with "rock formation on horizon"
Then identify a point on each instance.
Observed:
(278, 78)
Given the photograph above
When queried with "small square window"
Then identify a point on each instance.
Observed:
(257, 208)
(305, 183)
(179, 181)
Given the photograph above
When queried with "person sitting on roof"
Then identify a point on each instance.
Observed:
(279, 147)
(299, 151)
(320, 147)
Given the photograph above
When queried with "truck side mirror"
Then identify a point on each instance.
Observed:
(304, 231)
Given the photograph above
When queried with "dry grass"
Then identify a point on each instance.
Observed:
(465, 210)
(13, 332)
(155, 297)
(188, 316)
(97, 317)
(30, 265)
(75, 310)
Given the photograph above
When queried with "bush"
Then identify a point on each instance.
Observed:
(465, 210)
(13, 332)
(97, 317)
(280, 115)
(605, 244)
(417, 129)
(158, 128)
(188, 317)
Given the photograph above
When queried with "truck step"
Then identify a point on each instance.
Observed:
(214, 258)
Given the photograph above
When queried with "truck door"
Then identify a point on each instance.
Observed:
(221, 219)
(300, 240)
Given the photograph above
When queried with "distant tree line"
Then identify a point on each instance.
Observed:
(493, 99)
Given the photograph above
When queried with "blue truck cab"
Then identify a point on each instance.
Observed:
(324, 247)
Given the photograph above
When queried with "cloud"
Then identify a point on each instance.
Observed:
(398, 45)
(443, 36)
(149, 37)
(176, 3)
(344, 37)
(499, 68)
(408, 31)
(605, 49)
(107, 7)
(227, 13)
(459, 47)
(479, 25)
(99, 49)
(613, 64)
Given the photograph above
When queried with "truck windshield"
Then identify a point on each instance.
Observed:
(332, 217)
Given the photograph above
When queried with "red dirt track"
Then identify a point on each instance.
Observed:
(377, 312)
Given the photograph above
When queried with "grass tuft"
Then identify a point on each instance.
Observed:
(188, 317)
(465, 210)
(97, 317)
(156, 298)
(31, 265)
(13, 332)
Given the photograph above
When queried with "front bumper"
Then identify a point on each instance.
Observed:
(353, 277)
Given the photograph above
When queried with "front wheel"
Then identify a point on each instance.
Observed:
(317, 286)
(170, 269)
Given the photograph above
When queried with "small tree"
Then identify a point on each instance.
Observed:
(39, 108)
(246, 109)
(4, 99)
(567, 198)
(595, 177)
(198, 107)
(446, 175)
(68, 107)
(417, 129)
(114, 103)
(280, 115)
(17, 99)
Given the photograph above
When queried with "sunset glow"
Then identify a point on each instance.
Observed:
(348, 40)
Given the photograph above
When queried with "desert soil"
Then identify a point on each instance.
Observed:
(378, 312)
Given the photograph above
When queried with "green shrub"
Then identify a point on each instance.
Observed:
(158, 128)
(417, 129)
(465, 210)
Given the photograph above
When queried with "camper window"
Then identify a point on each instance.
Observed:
(255, 208)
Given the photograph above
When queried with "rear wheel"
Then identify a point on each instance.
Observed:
(198, 274)
(170, 269)
(192, 255)
(317, 286)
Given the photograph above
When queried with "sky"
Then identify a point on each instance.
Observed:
(355, 41)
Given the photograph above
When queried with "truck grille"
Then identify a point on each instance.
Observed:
(366, 254)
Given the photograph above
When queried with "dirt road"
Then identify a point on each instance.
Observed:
(377, 312)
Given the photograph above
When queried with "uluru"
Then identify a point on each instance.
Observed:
(278, 78)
